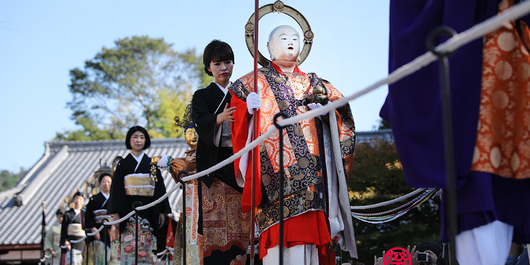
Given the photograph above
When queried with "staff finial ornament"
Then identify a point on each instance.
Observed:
(279, 7)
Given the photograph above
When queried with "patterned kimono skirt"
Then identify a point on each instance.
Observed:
(146, 243)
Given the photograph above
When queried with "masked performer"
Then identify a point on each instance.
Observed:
(224, 226)
(133, 182)
(308, 162)
(96, 212)
(194, 240)
(72, 229)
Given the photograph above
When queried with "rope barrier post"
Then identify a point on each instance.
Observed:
(183, 236)
(86, 252)
(280, 176)
(71, 255)
(62, 257)
(135, 206)
(105, 229)
(448, 136)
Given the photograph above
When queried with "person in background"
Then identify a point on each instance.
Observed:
(134, 180)
(523, 258)
(53, 238)
(72, 229)
(434, 250)
(518, 255)
(96, 211)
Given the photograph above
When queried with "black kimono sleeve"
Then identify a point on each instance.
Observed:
(204, 118)
(160, 190)
(90, 220)
(67, 219)
(71, 217)
(118, 200)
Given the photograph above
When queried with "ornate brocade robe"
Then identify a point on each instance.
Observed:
(303, 155)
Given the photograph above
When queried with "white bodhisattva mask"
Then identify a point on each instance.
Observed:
(284, 44)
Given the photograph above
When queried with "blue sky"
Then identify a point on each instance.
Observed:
(40, 41)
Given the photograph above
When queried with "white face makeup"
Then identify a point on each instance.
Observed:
(284, 44)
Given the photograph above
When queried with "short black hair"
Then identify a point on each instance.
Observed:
(78, 194)
(102, 175)
(436, 248)
(216, 51)
(59, 212)
(134, 129)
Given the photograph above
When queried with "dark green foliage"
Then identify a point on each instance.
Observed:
(140, 81)
(384, 125)
(89, 132)
(377, 177)
(10, 179)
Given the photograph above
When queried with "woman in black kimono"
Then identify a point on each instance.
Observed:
(72, 229)
(221, 196)
(96, 212)
(133, 182)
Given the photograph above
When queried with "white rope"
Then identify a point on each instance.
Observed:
(43, 259)
(450, 45)
(380, 222)
(161, 254)
(388, 202)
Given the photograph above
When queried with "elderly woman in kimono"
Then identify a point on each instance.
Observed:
(133, 181)
(72, 229)
(96, 212)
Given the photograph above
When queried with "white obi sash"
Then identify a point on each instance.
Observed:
(76, 230)
(139, 184)
(100, 215)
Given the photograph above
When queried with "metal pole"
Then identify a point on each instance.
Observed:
(448, 137)
(135, 205)
(280, 176)
(183, 236)
(105, 229)
(87, 250)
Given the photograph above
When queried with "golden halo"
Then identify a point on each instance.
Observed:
(279, 7)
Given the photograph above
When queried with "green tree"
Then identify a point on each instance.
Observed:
(377, 176)
(89, 131)
(384, 125)
(9, 179)
(141, 81)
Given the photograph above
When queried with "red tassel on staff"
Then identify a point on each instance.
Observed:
(170, 239)
(255, 151)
